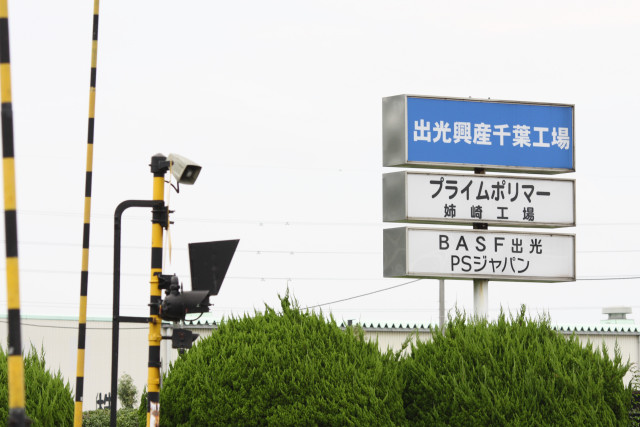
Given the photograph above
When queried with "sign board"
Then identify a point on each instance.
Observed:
(479, 254)
(423, 197)
(455, 133)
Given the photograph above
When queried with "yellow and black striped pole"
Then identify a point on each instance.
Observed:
(17, 415)
(84, 275)
(159, 167)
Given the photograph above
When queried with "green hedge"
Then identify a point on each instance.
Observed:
(512, 372)
(142, 409)
(126, 417)
(49, 401)
(293, 368)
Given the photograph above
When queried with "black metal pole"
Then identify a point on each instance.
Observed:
(115, 326)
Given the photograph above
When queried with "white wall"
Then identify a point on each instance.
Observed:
(59, 339)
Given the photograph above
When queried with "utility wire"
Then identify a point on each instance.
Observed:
(282, 252)
(247, 251)
(75, 327)
(261, 222)
(412, 281)
(292, 278)
(361, 295)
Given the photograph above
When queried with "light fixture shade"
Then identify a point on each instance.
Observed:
(184, 170)
(209, 264)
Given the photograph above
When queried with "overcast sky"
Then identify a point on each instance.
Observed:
(280, 102)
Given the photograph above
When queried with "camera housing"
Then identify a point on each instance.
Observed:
(184, 170)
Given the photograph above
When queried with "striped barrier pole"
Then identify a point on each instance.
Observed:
(17, 415)
(84, 275)
(159, 167)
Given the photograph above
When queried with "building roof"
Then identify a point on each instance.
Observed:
(606, 328)
(603, 328)
(598, 329)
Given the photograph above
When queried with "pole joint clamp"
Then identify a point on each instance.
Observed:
(159, 164)
(161, 216)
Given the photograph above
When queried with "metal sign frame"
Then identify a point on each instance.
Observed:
(395, 137)
(395, 200)
(396, 256)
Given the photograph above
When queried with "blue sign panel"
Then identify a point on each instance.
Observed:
(491, 134)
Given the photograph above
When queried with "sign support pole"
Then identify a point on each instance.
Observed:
(480, 298)
(441, 304)
(480, 286)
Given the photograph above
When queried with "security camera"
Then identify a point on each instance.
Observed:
(183, 169)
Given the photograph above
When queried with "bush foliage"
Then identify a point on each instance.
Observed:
(142, 409)
(293, 368)
(49, 401)
(127, 392)
(515, 371)
(126, 417)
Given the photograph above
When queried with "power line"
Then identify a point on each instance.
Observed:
(247, 251)
(257, 222)
(598, 224)
(281, 252)
(614, 251)
(75, 327)
(259, 278)
(412, 281)
(361, 295)
(292, 278)
(260, 222)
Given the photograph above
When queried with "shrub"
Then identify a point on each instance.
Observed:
(516, 372)
(142, 409)
(127, 392)
(49, 401)
(97, 418)
(293, 368)
(126, 417)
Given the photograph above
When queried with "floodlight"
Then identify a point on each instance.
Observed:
(209, 264)
(184, 170)
(176, 304)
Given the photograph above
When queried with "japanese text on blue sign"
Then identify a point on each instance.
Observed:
(489, 133)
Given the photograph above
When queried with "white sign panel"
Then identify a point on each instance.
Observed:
(479, 254)
(492, 199)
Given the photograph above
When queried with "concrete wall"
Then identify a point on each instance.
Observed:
(59, 339)
(627, 342)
